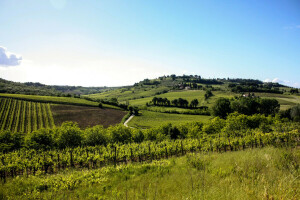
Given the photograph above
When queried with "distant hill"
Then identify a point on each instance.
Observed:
(31, 88)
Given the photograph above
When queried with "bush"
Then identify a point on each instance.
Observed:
(40, 139)
(10, 141)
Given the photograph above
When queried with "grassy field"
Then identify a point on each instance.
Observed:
(268, 173)
(24, 116)
(125, 94)
(58, 100)
(149, 119)
(86, 116)
(286, 101)
(186, 94)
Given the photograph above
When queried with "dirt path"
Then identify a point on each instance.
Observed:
(125, 123)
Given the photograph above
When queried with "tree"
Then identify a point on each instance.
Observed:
(222, 107)
(175, 102)
(194, 103)
(154, 101)
(208, 94)
(40, 139)
(96, 135)
(69, 135)
(269, 106)
(295, 113)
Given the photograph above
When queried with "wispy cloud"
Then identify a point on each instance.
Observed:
(8, 58)
(292, 27)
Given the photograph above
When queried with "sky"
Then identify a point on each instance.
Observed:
(121, 42)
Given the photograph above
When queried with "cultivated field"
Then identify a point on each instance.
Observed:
(149, 119)
(86, 116)
(24, 116)
(58, 100)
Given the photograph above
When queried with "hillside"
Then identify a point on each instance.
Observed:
(31, 88)
(169, 89)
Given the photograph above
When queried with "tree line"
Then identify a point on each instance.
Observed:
(69, 135)
(245, 105)
(180, 102)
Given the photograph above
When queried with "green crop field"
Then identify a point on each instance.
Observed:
(58, 100)
(150, 119)
(24, 116)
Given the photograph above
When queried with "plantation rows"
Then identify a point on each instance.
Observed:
(32, 162)
(24, 116)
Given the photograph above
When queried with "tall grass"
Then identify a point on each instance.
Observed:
(268, 173)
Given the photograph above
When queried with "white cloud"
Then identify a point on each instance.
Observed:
(114, 71)
(283, 82)
(8, 58)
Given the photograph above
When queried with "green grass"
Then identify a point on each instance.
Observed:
(186, 94)
(58, 100)
(125, 94)
(268, 173)
(149, 119)
(285, 101)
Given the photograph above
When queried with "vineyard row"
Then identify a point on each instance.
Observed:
(26, 162)
(24, 116)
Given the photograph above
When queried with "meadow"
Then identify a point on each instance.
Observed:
(125, 94)
(149, 119)
(286, 101)
(267, 173)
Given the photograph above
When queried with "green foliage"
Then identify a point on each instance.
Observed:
(41, 139)
(119, 134)
(222, 107)
(269, 106)
(208, 94)
(96, 135)
(68, 135)
(268, 173)
(245, 105)
(295, 113)
(10, 141)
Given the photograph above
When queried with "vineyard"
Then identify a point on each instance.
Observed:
(31, 162)
(24, 116)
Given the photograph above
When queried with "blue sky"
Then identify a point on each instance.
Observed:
(96, 43)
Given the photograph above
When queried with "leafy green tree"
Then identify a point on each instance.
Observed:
(154, 100)
(295, 113)
(208, 94)
(194, 103)
(221, 108)
(269, 106)
(68, 135)
(245, 105)
(10, 141)
(175, 102)
(96, 135)
(40, 139)
(119, 133)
